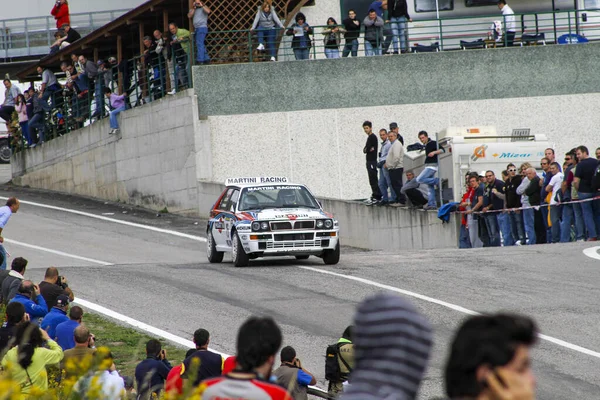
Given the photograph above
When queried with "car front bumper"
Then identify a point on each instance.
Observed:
(289, 243)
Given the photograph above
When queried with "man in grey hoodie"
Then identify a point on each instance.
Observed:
(392, 342)
(373, 33)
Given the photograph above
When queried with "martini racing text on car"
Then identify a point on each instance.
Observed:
(267, 216)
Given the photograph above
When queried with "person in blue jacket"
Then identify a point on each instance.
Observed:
(35, 305)
(57, 315)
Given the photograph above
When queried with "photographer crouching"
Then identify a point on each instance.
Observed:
(53, 286)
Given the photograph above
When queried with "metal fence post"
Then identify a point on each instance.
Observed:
(250, 45)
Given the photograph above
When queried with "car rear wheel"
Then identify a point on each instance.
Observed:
(240, 258)
(331, 257)
(302, 257)
(5, 151)
(213, 255)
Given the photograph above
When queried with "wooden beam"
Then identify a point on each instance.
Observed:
(141, 33)
(165, 20)
(95, 55)
(133, 22)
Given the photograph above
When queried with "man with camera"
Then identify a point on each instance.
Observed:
(292, 376)
(150, 374)
(83, 351)
(29, 296)
(56, 316)
(53, 286)
(199, 14)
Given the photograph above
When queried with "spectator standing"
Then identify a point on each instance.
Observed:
(513, 200)
(493, 203)
(555, 211)
(527, 210)
(15, 314)
(11, 283)
(352, 27)
(385, 183)
(60, 12)
(546, 175)
(54, 286)
(199, 14)
(411, 190)
(117, 105)
(301, 42)
(65, 330)
(35, 305)
(266, 23)
(36, 124)
(476, 221)
(10, 96)
(395, 166)
(503, 217)
(533, 215)
(91, 71)
(27, 362)
(29, 102)
(464, 242)
(598, 154)
(154, 60)
(150, 374)
(203, 364)
(398, 15)
(427, 176)
(49, 86)
(392, 342)
(11, 207)
(550, 155)
(332, 39)
(56, 316)
(163, 47)
(345, 361)
(571, 212)
(509, 21)
(257, 343)
(583, 183)
(21, 109)
(394, 128)
(80, 354)
(373, 33)
(370, 151)
(180, 46)
(486, 347)
(291, 376)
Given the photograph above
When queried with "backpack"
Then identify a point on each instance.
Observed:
(332, 365)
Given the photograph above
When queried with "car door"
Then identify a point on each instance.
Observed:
(231, 219)
(218, 218)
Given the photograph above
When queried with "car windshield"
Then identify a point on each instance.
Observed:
(261, 197)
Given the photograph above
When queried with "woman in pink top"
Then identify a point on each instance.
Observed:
(21, 109)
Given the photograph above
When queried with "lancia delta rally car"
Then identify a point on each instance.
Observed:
(267, 216)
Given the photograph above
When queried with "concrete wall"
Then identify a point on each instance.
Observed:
(151, 163)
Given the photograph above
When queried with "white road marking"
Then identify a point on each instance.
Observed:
(592, 252)
(60, 253)
(551, 339)
(117, 221)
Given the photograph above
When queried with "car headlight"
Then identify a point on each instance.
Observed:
(328, 223)
(264, 226)
(256, 226)
(319, 224)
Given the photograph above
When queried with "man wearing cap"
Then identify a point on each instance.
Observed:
(57, 315)
(394, 128)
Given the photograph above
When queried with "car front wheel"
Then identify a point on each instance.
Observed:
(240, 258)
(213, 255)
(5, 151)
(331, 257)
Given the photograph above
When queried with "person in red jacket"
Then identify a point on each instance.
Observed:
(60, 11)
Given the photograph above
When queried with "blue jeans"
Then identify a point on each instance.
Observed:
(491, 222)
(48, 92)
(516, 226)
(113, 117)
(3, 252)
(463, 239)
(351, 46)
(25, 131)
(568, 215)
(302, 54)
(98, 99)
(201, 53)
(332, 53)
(529, 222)
(544, 210)
(385, 183)
(37, 122)
(427, 177)
(555, 216)
(504, 222)
(270, 34)
(398, 25)
(579, 224)
(589, 214)
(371, 50)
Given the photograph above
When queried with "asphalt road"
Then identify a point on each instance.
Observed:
(166, 281)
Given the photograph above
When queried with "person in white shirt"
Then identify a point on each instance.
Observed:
(509, 21)
(109, 380)
(555, 208)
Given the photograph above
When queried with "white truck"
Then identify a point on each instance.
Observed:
(477, 149)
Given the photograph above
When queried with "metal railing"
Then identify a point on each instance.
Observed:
(32, 36)
(420, 36)
(73, 105)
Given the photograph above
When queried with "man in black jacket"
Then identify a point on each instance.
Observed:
(370, 151)
(398, 14)
(352, 26)
(513, 200)
(534, 194)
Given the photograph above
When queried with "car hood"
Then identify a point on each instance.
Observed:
(285, 214)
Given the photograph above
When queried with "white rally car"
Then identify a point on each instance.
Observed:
(267, 216)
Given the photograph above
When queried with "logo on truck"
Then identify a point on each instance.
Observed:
(479, 152)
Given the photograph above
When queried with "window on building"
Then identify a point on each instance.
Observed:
(591, 4)
(430, 5)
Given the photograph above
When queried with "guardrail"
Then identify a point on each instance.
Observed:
(21, 37)
(421, 36)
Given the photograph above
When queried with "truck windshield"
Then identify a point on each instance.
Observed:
(286, 196)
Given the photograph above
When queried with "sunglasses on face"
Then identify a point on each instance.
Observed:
(512, 170)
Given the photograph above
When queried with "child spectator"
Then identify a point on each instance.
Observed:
(21, 109)
(117, 104)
